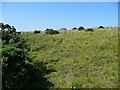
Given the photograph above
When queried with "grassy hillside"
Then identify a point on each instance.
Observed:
(80, 59)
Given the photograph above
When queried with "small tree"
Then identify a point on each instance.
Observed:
(74, 28)
(101, 27)
(81, 28)
(36, 31)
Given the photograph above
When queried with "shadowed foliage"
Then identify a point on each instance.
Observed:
(101, 27)
(74, 28)
(89, 29)
(36, 31)
(81, 28)
(19, 70)
(51, 31)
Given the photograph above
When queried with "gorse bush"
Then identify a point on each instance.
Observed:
(74, 28)
(51, 31)
(101, 27)
(89, 29)
(81, 28)
(14, 54)
(36, 31)
(48, 29)
(18, 69)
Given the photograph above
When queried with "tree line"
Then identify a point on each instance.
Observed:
(51, 31)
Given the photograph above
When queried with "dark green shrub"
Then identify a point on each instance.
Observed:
(48, 29)
(81, 28)
(51, 31)
(19, 32)
(89, 29)
(101, 27)
(19, 70)
(36, 31)
(74, 28)
(14, 55)
(1, 25)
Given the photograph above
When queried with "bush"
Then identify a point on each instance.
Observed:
(81, 28)
(74, 28)
(51, 31)
(48, 29)
(63, 29)
(14, 55)
(89, 29)
(18, 68)
(36, 31)
(101, 27)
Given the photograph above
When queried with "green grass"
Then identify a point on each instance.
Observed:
(81, 59)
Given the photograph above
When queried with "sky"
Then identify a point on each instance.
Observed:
(60, 0)
(29, 16)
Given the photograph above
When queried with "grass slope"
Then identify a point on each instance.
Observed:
(81, 59)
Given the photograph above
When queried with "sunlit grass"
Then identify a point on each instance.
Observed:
(81, 59)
